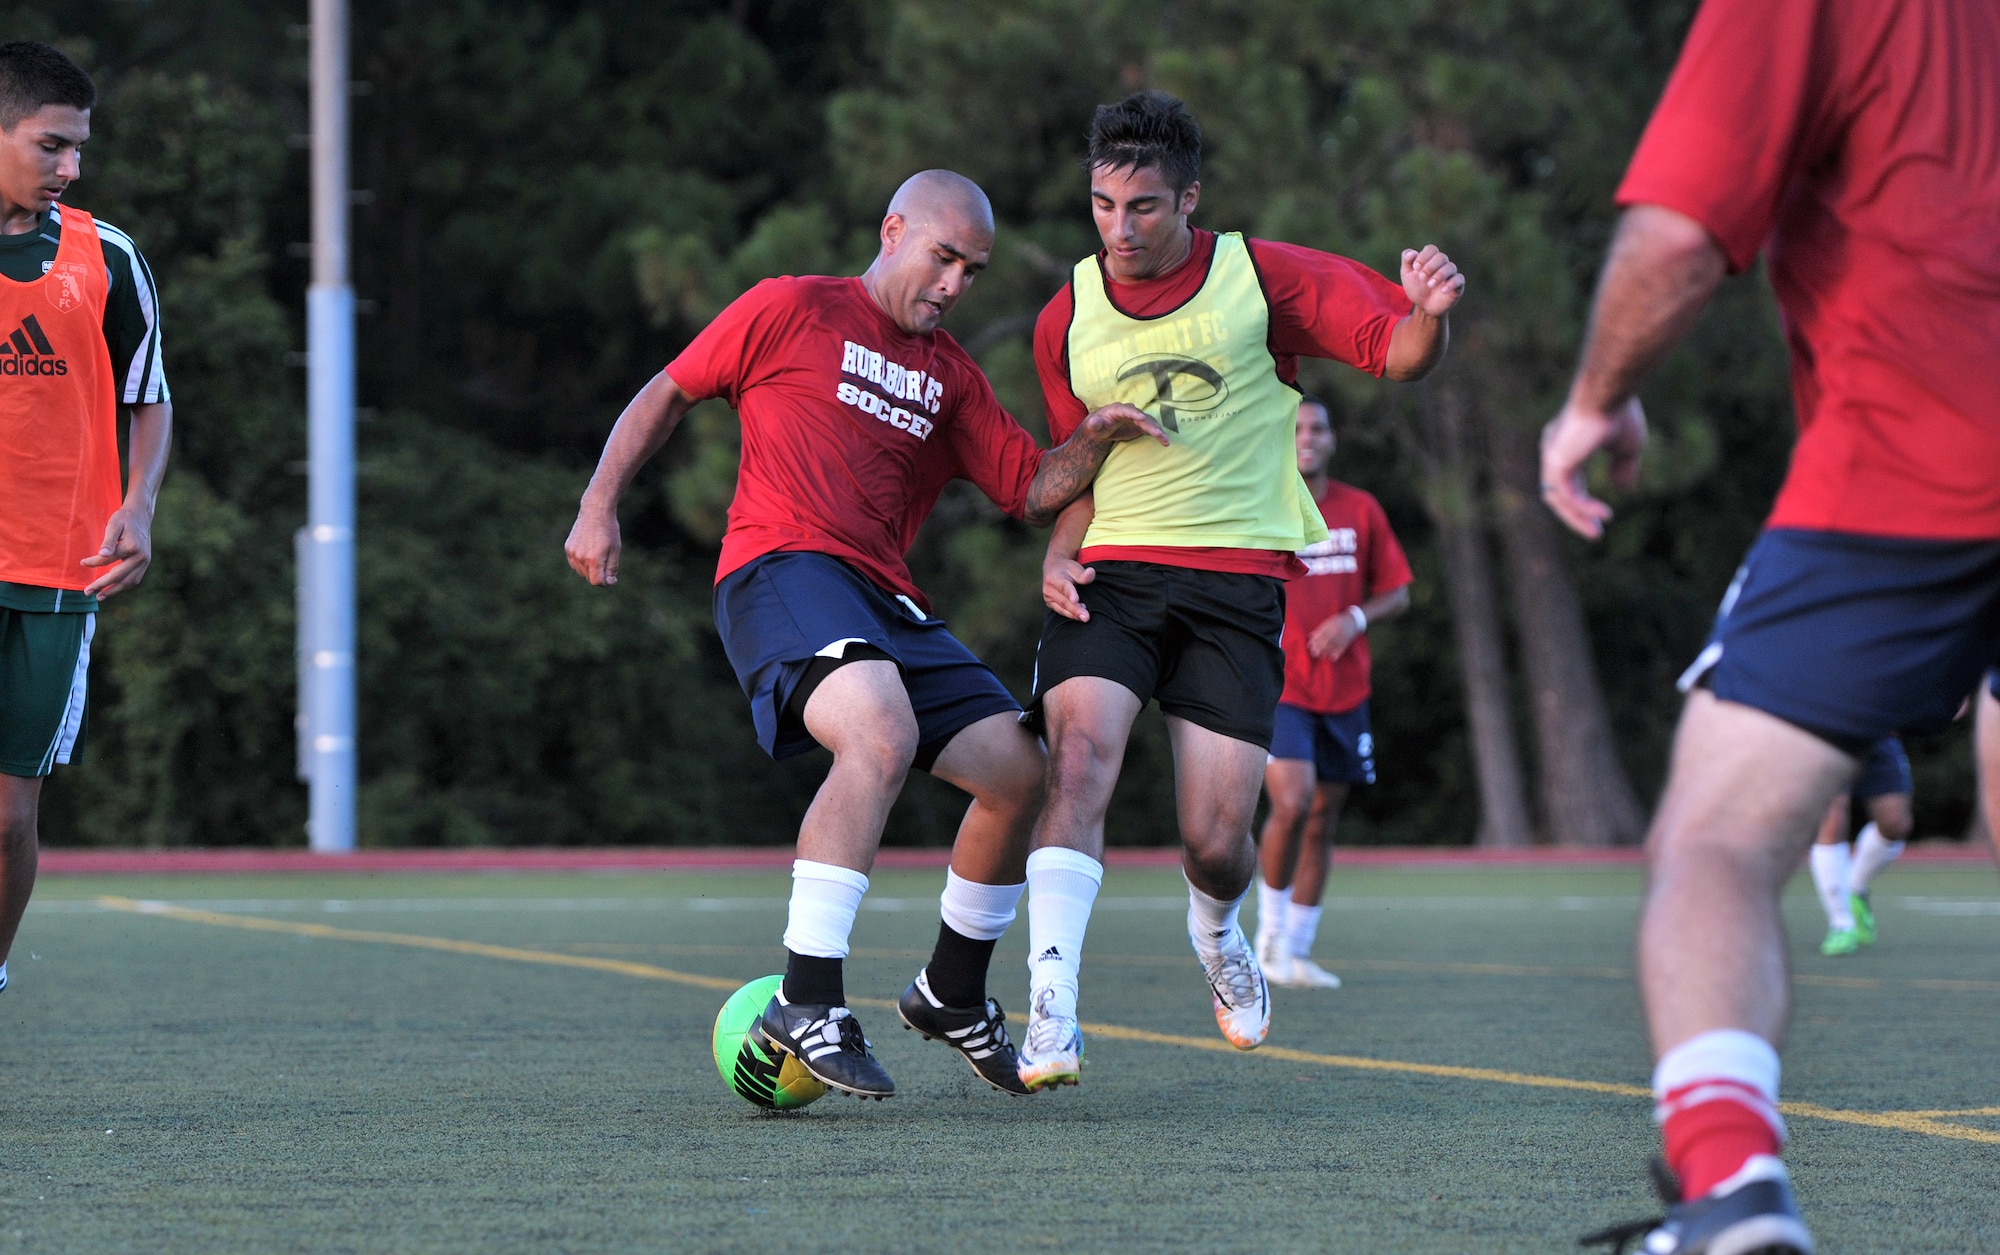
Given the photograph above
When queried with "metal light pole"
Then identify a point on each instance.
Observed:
(326, 545)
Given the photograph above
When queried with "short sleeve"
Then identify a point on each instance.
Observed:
(1388, 566)
(987, 446)
(729, 354)
(1328, 306)
(1065, 411)
(1739, 118)
(132, 320)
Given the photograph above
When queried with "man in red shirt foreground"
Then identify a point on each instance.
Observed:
(1322, 745)
(1852, 141)
(856, 412)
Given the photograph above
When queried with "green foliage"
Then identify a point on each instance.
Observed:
(557, 194)
(508, 699)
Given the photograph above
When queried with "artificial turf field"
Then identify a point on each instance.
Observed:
(521, 1062)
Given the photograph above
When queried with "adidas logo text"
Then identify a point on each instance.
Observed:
(28, 352)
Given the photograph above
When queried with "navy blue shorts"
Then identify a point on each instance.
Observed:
(783, 610)
(1340, 747)
(1886, 770)
(1853, 638)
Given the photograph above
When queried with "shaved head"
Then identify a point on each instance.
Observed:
(937, 235)
(936, 197)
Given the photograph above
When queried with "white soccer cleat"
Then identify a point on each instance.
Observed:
(1242, 1000)
(1051, 1053)
(1306, 974)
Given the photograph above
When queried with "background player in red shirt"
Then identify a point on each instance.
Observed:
(1853, 142)
(1322, 745)
(79, 338)
(856, 412)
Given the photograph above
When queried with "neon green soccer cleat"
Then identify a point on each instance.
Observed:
(1840, 941)
(1864, 918)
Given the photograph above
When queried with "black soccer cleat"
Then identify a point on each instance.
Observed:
(1759, 1217)
(827, 1041)
(978, 1033)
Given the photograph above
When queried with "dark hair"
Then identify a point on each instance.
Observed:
(1146, 129)
(33, 75)
(1307, 398)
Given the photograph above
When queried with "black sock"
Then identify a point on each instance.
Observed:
(957, 970)
(809, 978)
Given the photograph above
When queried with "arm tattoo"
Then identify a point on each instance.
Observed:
(1066, 471)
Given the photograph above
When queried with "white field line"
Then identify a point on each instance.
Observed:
(432, 906)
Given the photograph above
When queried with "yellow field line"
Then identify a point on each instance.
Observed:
(1928, 1123)
(1905, 1121)
(1493, 1075)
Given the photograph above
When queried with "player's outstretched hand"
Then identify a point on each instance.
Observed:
(127, 550)
(1119, 422)
(1431, 281)
(592, 547)
(1062, 578)
(1570, 440)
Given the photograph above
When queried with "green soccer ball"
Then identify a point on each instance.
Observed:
(767, 1077)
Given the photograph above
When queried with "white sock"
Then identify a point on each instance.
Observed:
(1739, 1059)
(1273, 906)
(1062, 887)
(1721, 1054)
(1210, 920)
(1829, 873)
(1303, 928)
(824, 900)
(1871, 855)
(981, 912)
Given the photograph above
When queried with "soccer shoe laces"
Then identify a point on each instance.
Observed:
(1666, 1185)
(1048, 1032)
(1618, 1236)
(836, 1031)
(988, 1036)
(1234, 976)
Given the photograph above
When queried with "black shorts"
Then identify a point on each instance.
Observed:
(1205, 643)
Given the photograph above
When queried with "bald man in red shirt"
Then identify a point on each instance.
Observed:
(1852, 143)
(857, 409)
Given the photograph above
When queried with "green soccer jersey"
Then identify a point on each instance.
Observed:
(131, 332)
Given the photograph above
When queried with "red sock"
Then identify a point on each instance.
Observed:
(1712, 1128)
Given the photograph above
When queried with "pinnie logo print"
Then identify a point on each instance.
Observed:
(1181, 385)
(65, 286)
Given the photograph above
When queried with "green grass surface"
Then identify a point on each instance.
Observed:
(176, 1085)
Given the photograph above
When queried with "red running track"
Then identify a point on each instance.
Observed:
(264, 861)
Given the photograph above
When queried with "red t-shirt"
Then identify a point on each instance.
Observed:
(1375, 565)
(851, 427)
(1321, 305)
(1858, 141)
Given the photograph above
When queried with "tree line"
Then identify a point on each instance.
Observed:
(552, 197)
